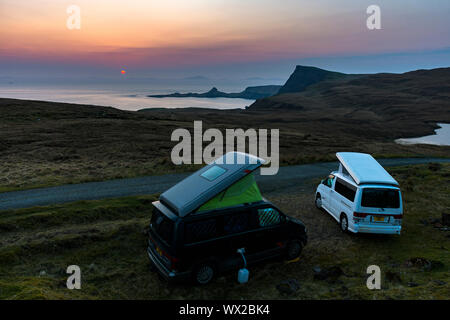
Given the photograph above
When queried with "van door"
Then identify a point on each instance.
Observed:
(202, 240)
(268, 240)
(327, 191)
(333, 199)
(343, 199)
(239, 232)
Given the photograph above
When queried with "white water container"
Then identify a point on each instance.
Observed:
(243, 275)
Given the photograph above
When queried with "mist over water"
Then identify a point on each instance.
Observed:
(131, 97)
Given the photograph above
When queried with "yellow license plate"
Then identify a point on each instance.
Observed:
(378, 219)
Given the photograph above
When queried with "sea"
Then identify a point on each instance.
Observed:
(440, 138)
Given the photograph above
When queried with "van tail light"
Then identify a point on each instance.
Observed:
(280, 244)
(359, 215)
(398, 219)
(173, 261)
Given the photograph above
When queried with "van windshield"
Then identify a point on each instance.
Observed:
(380, 198)
(162, 226)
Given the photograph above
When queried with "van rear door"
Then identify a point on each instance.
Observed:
(161, 237)
(381, 204)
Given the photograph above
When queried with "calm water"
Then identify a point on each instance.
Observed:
(125, 99)
(441, 138)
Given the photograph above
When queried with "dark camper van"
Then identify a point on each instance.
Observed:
(198, 225)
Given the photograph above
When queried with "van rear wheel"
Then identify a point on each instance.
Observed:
(344, 223)
(204, 273)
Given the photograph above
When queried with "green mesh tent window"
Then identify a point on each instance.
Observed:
(244, 191)
(268, 217)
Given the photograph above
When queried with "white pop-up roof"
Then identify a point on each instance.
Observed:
(364, 169)
(190, 193)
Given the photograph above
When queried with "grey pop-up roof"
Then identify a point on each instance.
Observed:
(189, 194)
(364, 169)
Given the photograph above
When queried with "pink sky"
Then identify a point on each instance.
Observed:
(149, 34)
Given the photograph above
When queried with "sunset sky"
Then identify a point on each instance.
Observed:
(232, 38)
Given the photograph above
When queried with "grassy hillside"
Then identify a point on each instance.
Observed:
(44, 143)
(107, 240)
(382, 105)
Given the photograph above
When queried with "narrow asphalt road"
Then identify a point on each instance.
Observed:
(287, 177)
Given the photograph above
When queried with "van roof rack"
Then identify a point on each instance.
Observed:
(364, 169)
(194, 191)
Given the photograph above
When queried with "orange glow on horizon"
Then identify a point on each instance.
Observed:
(160, 33)
(198, 32)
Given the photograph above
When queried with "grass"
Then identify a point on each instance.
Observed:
(46, 144)
(106, 238)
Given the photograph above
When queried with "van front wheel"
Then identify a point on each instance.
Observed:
(318, 201)
(204, 273)
(344, 223)
(294, 249)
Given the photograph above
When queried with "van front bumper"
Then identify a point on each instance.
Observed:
(380, 229)
(169, 275)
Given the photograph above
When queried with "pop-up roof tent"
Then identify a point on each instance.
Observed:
(225, 182)
(364, 169)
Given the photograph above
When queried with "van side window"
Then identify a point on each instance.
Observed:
(268, 217)
(200, 230)
(345, 190)
(237, 222)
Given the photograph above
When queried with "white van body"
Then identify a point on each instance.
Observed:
(362, 196)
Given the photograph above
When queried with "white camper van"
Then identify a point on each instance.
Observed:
(361, 195)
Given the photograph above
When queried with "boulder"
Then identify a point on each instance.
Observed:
(393, 276)
(288, 287)
(332, 273)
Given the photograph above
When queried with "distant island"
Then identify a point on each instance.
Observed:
(302, 78)
(251, 93)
